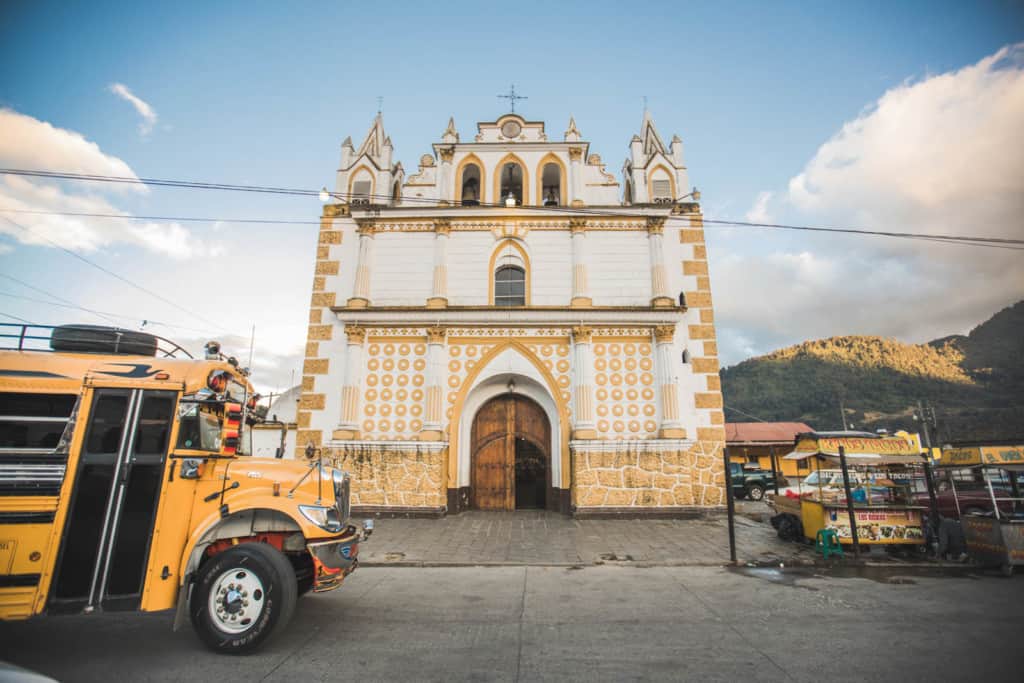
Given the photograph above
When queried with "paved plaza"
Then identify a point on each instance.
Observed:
(530, 537)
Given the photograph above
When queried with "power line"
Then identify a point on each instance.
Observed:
(737, 410)
(113, 274)
(958, 239)
(175, 219)
(14, 317)
(54, 296)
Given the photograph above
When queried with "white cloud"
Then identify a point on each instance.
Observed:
(941, 155)
(759, 211)
(148, 114)
(26, 142)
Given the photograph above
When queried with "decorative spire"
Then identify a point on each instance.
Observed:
(573, 134)
(450, 134)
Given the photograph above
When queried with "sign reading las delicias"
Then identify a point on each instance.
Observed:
(881, 526)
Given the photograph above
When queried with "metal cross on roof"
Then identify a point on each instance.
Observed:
(512, 97)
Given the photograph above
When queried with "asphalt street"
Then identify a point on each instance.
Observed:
(593, 623)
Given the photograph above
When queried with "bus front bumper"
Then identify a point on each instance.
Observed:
(335, 559)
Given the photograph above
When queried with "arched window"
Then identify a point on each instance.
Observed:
(470, 185)
(551, 185)
(510, 286)
(512, 182)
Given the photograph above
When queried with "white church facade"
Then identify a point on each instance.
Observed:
(512, 326)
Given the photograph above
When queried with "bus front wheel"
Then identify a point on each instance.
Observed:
(243, 596)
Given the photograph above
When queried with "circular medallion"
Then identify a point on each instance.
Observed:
(511, 129)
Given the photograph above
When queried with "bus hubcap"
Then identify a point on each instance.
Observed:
(236, 600)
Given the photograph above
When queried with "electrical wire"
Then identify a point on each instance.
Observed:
(14, 317)
(157, 182)
(737, 410)
(72, 304)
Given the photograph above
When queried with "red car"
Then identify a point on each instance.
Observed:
(974, 498)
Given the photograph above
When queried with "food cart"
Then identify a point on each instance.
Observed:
(863, 491)
(995, 538)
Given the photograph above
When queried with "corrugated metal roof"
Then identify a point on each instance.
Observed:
(763, 432)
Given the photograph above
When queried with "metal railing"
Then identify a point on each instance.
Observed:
(27, 337)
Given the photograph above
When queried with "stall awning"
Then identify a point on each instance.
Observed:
(861, 448)
(1008, 457)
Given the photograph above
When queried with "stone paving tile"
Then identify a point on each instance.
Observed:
(539, 538)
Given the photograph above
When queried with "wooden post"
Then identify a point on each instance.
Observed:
(775, 473)
(730, 506)
(849, 501)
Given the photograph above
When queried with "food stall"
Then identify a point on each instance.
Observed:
(995, 538)
(862, 491)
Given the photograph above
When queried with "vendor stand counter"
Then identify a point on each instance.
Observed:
(879, 469)
(996, 538)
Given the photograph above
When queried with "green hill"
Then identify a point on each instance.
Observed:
(974, 382)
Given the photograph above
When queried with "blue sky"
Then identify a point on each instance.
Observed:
(264, 92)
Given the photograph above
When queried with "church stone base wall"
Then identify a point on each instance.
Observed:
(648, 477)
(385, 478)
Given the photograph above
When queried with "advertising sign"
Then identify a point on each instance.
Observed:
(889, 445)
(880, 527)
(983, 455)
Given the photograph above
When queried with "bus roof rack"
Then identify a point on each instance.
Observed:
(86, 339)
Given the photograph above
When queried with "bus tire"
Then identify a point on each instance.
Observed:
(242, 597)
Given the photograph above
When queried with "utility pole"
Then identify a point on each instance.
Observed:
(933, 504)
(842, 414)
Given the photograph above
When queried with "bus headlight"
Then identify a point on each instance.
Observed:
(324, 517)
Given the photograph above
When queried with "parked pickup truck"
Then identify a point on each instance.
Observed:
(749, 482)
(974, 500)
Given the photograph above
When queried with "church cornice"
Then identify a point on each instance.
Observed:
(490, 316)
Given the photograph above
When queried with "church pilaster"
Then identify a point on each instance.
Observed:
(361, 291)
(660, 297)
(671, 427)
(349, 426)
(445, 193)
(439, 290)
(580, 284)
(435, 372)
(576, 175)
(583, 373)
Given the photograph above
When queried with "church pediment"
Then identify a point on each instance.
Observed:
(511, 128)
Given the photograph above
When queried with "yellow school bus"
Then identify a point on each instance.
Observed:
(125, 485)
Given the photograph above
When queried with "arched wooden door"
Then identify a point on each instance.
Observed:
(511, 455)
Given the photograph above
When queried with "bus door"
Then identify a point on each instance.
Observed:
(109, 526)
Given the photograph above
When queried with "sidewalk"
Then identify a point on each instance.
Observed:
(546, 538)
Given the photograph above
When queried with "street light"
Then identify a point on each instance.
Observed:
(695, 194)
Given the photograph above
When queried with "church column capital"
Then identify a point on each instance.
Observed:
(655, 225)
(355, 334)
(436, 335)
(367, 226)
(446, 154)
(575, 153)
(582, 334)
(442, 226)
(577, 225)
(664, 334)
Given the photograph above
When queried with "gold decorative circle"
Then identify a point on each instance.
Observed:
(549, 364)
(632, 394)
(650, 426)
(614, 350)
(384, 425)
(385, 410)
(616, 379)
(599, 349)
(419, 364)
(631, 363)
(385, 394)
(471, 351)
(649, 410)
(415, 425)
(633, 409)
(601, 378)
(372, 364)
(615, 364)
(403, 380)
(417, 394)
(403, 364)
(563, 381)
(401, 395)
(416, 410)
(454, 366)
(417, 380)
(602, 425)
(448, 413)
(647, 378)
(374, 349)
(602, 410)
(618, 410)
(648, 394)
(629, 348)
(645, 349)
(618, 426)
(630, 378)
(371, 380)
(616, 394)
(602, 394)
(400, 409)
(454, 350)
(371, 394)
(562, 350)
(389, 349)
(403, 350)
(368, 425)
(387, 380)
(420, 349)
(601, 364)
(388, 364)
(646, 364)
(452, 395)
(399, 425)
(370, 409)
(453, 381)
(547, 350)
(562, 365)
(634, 426)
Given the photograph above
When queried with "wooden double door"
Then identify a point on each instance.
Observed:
(511, 455)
